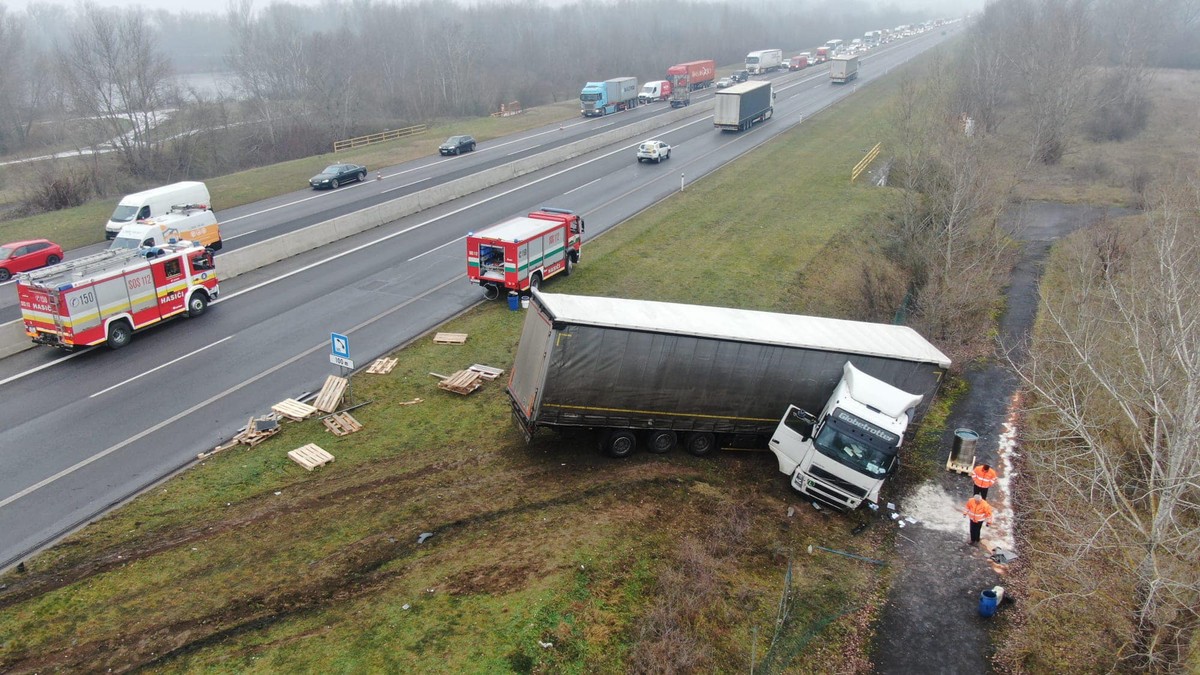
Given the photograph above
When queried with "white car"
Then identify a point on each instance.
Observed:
(654, 151)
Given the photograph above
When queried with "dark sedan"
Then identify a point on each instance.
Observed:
(456, 145)
(338, 174)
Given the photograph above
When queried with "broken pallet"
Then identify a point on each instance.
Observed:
(331, 394)
(294, 410)
(310, 456)
(382, 366)
(450, 338)
(488, 372)
(341, 424)
(463, 382)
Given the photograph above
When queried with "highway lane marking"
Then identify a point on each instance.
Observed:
(298, 201)
(514, 152)
(160, 367)
(242, 385)
(240, 235)
(582, 186)
(437, 248)
(37, 368)
(401, 187)
(435, 219)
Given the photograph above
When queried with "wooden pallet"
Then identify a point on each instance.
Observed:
(331, 394)
(258, 430)
(960, 467)
(294, 410)
(310, 456)
(463, 382)
(450, 338)
(341, 424)
(382, 366)
(487, 372)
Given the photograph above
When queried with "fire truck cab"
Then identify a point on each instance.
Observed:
(105, 297)
(520, 253)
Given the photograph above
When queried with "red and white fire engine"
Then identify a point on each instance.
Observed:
(106, 296)
(520, 253)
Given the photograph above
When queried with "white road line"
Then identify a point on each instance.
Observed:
(436, 248)
(514, 152)
(41, 367)
(324, 344)
(283, 206)
(401, 187)
(157, 368)
(240, 235)
(583, 186)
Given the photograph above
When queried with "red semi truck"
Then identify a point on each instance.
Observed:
(693, 74)
(106, 296)
(520, 253)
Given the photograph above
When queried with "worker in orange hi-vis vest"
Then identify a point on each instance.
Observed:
(978, 511)
(984, 477)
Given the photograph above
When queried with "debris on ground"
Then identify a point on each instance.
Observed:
(341, 424)
(294, 410)
(382, 366)
(450, 338)
(462, 382)
(331, 394)
(310, 456)
(423, 536)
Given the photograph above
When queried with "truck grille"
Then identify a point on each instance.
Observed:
(838, 483)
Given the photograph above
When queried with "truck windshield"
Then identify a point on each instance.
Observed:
(126, 242)
(124, 214)
(848, 445)
(751, 60)
(589, 97)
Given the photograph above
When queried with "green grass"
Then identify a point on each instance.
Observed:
(83, 225)
(548, 542)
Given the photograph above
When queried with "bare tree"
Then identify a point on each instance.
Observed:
(1115, 374)
(116, 78)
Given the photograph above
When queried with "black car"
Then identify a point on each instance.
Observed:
(456, 145)
(338, 174)
(740, 75)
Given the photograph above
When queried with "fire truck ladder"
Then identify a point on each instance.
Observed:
(70, 270)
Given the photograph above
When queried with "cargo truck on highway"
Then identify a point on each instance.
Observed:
(764, 61)
(106, 296)
(743, 105)
(602, 98)
(842, 69)
(519, 253)
(688, 77)
(831, 398)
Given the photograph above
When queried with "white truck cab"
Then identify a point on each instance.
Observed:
(843, 456)
(183, 223)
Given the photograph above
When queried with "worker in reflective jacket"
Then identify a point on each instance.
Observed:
(985, 477)
(978, 511)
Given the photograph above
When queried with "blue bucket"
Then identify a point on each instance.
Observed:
(514, 301)
(987, 603)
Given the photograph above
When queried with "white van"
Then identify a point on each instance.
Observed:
(155, 202)
(658, 90)
(197, 224)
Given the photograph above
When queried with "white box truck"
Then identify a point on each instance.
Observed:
(764, 61)
(842, 69)
(155, 202)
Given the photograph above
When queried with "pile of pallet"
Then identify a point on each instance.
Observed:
(467, 380)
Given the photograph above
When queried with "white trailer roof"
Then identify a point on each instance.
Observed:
(517, 229)
(744, 87)
(745, 325)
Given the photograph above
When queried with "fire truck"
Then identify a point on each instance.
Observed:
(520, 253)
(106, 296)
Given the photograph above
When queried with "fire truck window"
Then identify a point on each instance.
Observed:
(202, 262)
(171, 267)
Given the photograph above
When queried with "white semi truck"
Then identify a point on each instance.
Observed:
(831, 398)
(842, 69)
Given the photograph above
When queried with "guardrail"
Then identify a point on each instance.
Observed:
(865, 162)
(381, 137)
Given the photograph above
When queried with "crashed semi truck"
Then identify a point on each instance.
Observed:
(831, 398)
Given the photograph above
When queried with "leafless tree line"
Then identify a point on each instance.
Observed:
(1115, 452)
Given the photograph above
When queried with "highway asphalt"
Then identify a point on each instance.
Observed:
(82, 432)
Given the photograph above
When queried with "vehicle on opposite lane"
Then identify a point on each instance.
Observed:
(22, 256)
(456, 145)
(338, 174)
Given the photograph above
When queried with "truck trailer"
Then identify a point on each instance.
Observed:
(688, 77)
(661, 374)
(842, 69)
(602, 98)
(743, 105)
(764, 61)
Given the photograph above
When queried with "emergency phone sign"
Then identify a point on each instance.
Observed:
(340, 355)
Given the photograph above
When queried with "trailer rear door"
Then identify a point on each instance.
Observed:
(529, 370)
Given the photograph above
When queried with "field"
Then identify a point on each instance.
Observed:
(83, 225)
(545, 557)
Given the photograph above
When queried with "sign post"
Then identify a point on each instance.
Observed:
(340, 356)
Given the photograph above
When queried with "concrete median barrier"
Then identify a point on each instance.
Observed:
(234, 263)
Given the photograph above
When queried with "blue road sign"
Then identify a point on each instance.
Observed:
(340, 344)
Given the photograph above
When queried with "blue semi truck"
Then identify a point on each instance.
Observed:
(602, 98)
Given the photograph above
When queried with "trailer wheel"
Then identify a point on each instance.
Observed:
(661, 441)
(119, 334)
(619, 443)
(491, 291)
(197, 304)
(700, 443)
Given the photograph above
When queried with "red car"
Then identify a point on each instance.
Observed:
(22, 256)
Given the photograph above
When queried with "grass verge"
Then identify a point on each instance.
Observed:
(544, 558)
